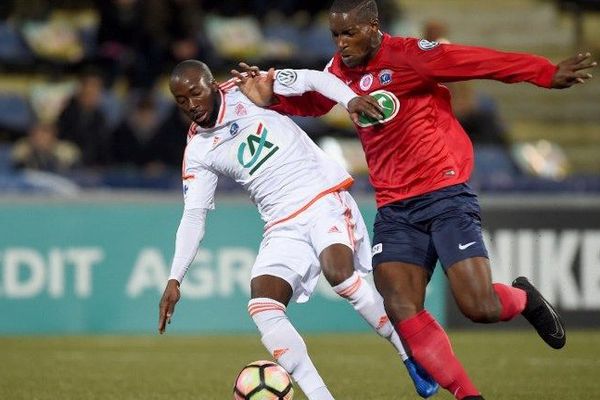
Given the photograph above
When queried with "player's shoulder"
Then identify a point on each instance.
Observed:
(335, 65)
(229, 86)
(419, 45)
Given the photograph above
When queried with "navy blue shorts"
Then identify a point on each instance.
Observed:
(444, 224)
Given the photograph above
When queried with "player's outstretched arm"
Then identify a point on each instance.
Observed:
(261, 89)
(167, 304)
(573, 71)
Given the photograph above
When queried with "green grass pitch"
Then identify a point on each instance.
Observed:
(504, 365)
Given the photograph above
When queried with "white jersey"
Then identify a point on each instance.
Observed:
(265, 152)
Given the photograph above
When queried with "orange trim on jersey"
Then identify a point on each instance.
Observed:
(348, 220)
(228, 85)
(223, 108)
(350, 227)
(183, 174)
(192, 130)
(344, 185)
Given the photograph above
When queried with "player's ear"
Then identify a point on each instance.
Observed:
(374, 24)
(214, 85)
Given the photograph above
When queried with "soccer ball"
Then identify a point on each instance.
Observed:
(263, 380)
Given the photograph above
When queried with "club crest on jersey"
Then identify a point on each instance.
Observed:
(366, 81)
(258, 148)
(385, 77)
(388, 102)
(286, 77)
(233, 129)
(425, 44)
(240, 110)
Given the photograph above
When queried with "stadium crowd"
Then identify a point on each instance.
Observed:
(83, 93)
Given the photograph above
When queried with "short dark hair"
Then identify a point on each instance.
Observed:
(195, 65)
(366, 9)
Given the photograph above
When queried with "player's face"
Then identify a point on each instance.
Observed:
(356, 40)
(195, 94)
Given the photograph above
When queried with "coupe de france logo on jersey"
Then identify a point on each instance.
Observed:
(425, 44)
(286, 77)
(389, 104)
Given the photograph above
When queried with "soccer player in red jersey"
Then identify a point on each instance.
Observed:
(420, 159)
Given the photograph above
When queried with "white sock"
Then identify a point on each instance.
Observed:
(369, 304)
(287, 347)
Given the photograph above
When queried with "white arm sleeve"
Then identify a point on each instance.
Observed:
(189, 235)
(294, 82)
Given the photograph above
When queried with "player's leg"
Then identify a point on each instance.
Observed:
(346, 250)
(337, 235)
(403, 286)
(404, 259)
(459, 242)
(481, 301)
(270, 296)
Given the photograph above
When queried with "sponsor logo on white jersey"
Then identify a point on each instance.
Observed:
(286, 77)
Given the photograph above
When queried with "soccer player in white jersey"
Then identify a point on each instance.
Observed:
(311, 221)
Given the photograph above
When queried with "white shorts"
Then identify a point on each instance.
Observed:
(290, 250)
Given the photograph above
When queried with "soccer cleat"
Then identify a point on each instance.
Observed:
(542, 315)
(424, 384)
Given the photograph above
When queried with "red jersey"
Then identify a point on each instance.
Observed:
(419, 145)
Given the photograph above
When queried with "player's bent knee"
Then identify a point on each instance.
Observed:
(401, 310)
(336, 274)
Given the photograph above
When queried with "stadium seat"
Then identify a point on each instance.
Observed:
(15, 112)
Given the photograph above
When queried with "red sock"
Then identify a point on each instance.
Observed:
(431, 348)
(512, 299)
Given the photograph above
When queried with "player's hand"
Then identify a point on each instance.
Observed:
(572, 71)
(366, 105)
(166, 308)
(256, 86)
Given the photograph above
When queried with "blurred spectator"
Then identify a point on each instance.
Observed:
(174, 137)
(83, 122)
(132, 32)
(140, 142)
(120, 38)
(176, 27)
(393, 19)
(42, 150)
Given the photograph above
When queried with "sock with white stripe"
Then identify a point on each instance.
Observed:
(369, 304)
(287, 347)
